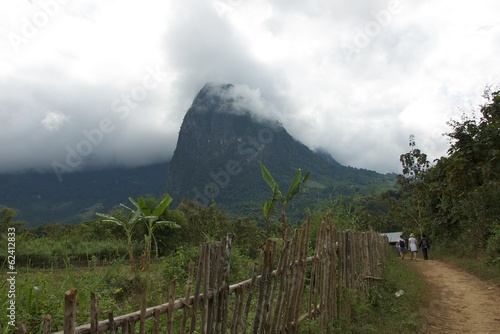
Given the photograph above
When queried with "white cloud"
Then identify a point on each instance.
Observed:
(53, 120)
(426, 62)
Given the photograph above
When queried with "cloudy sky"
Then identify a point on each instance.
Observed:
(99, 83)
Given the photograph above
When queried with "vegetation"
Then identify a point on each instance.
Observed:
(393, 306)
(269, 206)
(453, 199)
(142, 213)
(456, 198)
(39, 198)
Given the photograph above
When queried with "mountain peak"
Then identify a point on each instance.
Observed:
(211, 96)
(235, 99)
(231, 125)
(225, 133)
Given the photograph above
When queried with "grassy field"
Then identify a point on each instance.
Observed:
(394, 305)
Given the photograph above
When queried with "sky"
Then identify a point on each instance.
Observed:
(92, 83)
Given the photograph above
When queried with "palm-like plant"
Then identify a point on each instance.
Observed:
(293, 190)
(143, 213)
(127, 225)
(151, 219)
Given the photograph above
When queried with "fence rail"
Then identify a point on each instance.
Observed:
(276, 299)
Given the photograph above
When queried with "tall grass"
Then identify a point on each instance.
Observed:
(384, 312)
(477, 266)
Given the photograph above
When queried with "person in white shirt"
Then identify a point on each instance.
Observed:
(412, 244)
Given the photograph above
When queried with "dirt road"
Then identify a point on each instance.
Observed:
(457, 301)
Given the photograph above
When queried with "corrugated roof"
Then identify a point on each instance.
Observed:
(392, 236)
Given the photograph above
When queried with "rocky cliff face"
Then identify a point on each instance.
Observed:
(219, 148)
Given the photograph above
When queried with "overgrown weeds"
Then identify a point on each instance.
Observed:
(393, 305)
(477, 266)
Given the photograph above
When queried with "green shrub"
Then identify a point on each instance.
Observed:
(493, 246)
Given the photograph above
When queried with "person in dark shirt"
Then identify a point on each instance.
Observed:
(424, 246)
(401, 244)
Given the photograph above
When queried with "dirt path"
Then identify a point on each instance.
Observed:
(458, 301)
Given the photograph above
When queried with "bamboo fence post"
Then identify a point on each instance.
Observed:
(224, 293)
(301, 274)
(256, 321)
(351, 258)
(199, 275)
(338, 271)
(186, 307)
(249, 299)
(111, 321)
(343, 264)
(334, 268)
(156, 321)
(266, 283)
(211, 303)
(289, 283)
(269, 294)
(70, 311)
(94, 313)
(142, 324)
(355, 260)
(315, 271)
(285, 292)
(326, 276)
(47, 324)
(368, 262)
(131, 325)
(215, 307)
(170, 310)
(275, 280)
(206, 288)
(283, 268)
(238, 303)
(125, 327)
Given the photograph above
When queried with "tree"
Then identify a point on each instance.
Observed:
(7, 220)
(475, 146)
(412, 182)
(464, 185)
(293, 190)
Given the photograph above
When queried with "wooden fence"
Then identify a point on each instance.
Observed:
(276, 299)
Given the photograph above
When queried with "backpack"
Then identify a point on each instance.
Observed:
(425, 243)
(401, 243)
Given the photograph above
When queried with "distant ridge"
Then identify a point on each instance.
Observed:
(41, 198)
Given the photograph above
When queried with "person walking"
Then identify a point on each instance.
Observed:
(425, 246)
(401, 244)
(412, 245)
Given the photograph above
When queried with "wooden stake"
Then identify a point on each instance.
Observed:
(47, 324)
(111, 321)
(170, 312)
(70, 311)
(186, 308)
(94, 313)
(142, 323)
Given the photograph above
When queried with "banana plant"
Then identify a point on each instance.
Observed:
(142, 213)
(293, 190)
(151, 219)
(128, 226)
